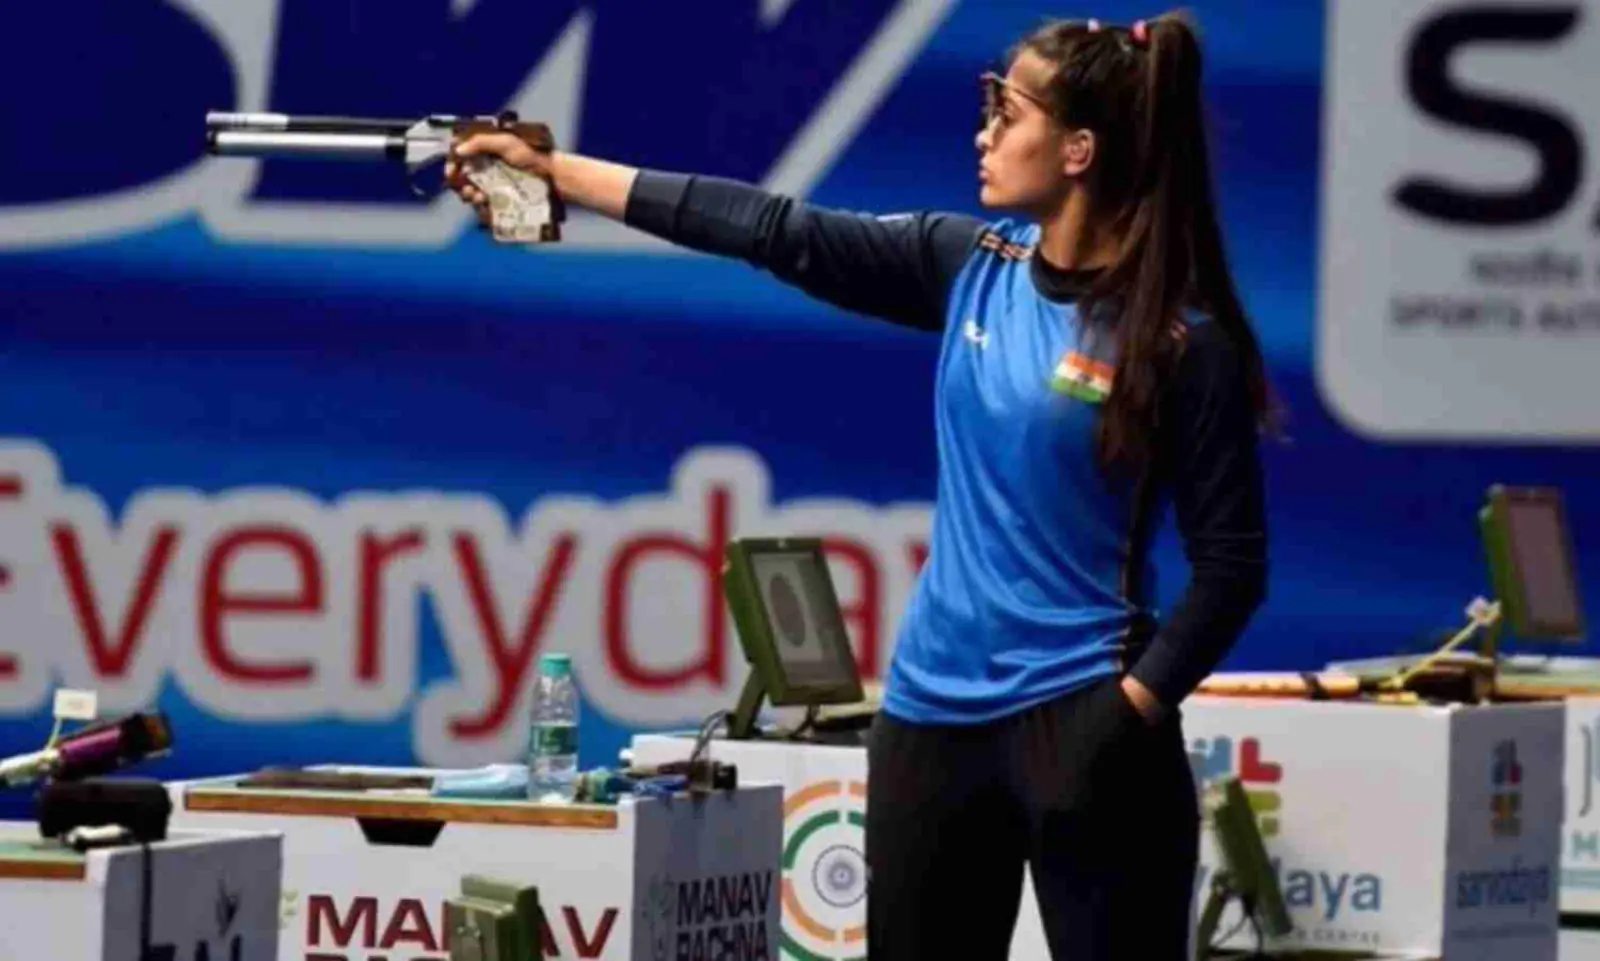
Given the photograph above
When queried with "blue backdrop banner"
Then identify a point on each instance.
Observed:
(307, 461)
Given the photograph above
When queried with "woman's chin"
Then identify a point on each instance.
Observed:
(993, 198)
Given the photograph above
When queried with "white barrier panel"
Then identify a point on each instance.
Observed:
(1399, 831)
(213, 894)
(646, 880)
(824, 824)
(1416, 830)
(1580, 836)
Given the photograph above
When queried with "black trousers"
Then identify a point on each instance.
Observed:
(1100, 804)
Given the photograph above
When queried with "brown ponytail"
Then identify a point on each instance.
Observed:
(1139, 90)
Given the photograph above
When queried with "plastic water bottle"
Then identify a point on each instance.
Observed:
(553, 734)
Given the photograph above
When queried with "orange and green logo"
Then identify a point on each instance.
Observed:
(1219, 757)
(825, 872)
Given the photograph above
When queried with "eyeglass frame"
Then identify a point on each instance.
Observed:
(990, 82)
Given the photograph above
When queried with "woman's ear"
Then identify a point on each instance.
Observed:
(1077, 152)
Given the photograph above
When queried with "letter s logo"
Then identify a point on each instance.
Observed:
(1552, 136)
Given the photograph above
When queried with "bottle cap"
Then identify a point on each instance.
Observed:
(555, 665)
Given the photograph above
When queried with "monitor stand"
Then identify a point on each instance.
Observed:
(742, 724)
(837, 724)
(848, 730)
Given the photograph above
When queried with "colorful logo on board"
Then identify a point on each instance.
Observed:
(1222, 756)
(1505, 790)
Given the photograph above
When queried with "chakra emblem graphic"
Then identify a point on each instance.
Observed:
(825, 872)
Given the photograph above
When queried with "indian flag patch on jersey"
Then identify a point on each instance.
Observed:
(1085, 378)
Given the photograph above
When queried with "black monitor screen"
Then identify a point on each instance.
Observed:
(1539, 549)
(807, 630)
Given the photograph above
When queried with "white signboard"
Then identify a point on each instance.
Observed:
(211, 894)
(824, 847)
(1460, 286)
(1580, 840)
(1397, 830)
(1442, 840)
(1503, 890)
(679, 880)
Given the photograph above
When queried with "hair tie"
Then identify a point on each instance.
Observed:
(1141, 33)
(1094, 26)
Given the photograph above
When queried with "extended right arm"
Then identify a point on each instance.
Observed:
(599, 185)
(897, 268)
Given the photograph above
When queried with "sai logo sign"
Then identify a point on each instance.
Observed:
(1217, 757)
(1505, 794)
(1460, 291)
(825, 872)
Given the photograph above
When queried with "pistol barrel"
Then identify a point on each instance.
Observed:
(287, 135)
(325, 146)
(290, 123)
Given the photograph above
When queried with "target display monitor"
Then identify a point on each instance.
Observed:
(1530, 553)
(790, 626)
